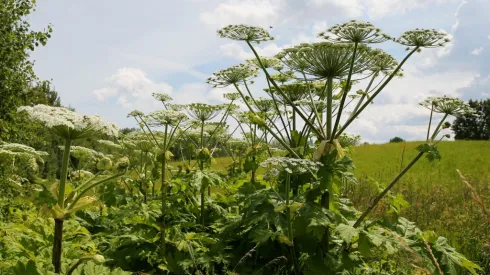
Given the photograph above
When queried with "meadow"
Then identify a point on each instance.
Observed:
(438, 199)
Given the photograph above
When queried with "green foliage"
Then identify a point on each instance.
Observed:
(474, 127)
(396, 139)
(17, 41)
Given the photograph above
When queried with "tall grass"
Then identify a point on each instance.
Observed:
(438, 199)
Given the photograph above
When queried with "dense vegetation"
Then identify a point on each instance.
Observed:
(474, 127)
(116, 204)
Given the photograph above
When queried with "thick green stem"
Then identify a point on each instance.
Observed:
(346, 91)
(164, 193)
(58, 223)
(64, 173)
(375, 201)
(329, 107)
(371, 98)
(288, 210)
(203, 192)
(57, 245)
(436, 131)
(430, 121)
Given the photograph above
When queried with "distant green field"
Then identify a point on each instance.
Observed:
(438, 199)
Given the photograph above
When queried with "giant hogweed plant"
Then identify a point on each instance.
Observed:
(72, 126)
(170, 121)
(319, 230)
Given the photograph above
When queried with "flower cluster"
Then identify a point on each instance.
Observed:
(384, 63)
(138, 141)
(449, 106)
(203, 112)
(165, 117)
(69, 124)
(355, 32)
(324, 59)
(232, 96)
(294, 91)
(136, 113)
(267, 62)
(83, 153)
(233, 75)
(162, 97)
(313, 105)
(245, 33)
(423, 38)
(283, 77)
(81, 175)
(264, 105)
(109, 144)
(20, 157)
(277, 165)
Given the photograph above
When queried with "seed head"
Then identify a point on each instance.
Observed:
(165, 117)
(233, 75)
(232, 96)
(245, 33)
(355, 32)
(423, 38)
(323, 60)
(449, 106)
(267, 62)
(162, 97)
(203, 112)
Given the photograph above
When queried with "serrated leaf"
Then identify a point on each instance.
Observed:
(347, 232)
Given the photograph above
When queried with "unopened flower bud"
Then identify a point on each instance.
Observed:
(104, 164)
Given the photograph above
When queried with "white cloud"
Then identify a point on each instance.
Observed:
(377, 9)
(259, 12)
(396, 111)
(237, 51)
(132, 89)
(319, 26)
(350, 8)
(477, 51)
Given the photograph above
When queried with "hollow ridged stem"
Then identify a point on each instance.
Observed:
(64, 173)
(346, 91)
(329, 107)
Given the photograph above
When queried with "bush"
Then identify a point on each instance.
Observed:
(397, 139)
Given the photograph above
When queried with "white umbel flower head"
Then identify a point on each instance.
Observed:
(355, 31)
(424, 38)
(449, 106)
(162, 97)
(165, 117)
(276, 165)
(245, 33)
(69, 124)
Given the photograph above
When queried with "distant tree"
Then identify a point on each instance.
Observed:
(474, 128)
(129, 130)
(396, 139)
(17, 41)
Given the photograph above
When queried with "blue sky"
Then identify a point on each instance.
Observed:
(107, 57)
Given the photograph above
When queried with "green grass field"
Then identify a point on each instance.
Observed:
(438, 199)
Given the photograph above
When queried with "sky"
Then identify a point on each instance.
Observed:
(108, 57)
